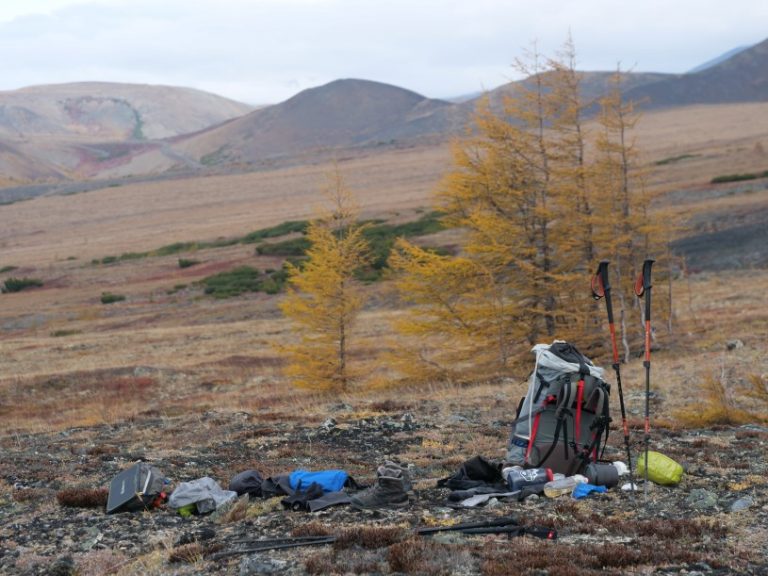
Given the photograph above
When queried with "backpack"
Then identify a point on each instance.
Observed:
(563, 420)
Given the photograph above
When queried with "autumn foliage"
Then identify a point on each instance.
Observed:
(324, 298)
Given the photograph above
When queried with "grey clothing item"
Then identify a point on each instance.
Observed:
(387, 492)
(204, 492)
(479, 499)
(329, 499)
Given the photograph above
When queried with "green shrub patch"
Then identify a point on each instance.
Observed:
(109, 298)
(19, 284)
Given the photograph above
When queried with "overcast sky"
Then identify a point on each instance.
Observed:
(264, 51)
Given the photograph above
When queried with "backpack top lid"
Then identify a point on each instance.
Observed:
(562, 357)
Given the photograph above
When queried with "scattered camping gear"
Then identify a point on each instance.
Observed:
(601, 287)
(314, 498)
(279, 485)
(518, 477)
(643, 288)
(507, 525)
(563, 486)
(140, 487)
(478, 480)
(563, 420)
(660, 469)
(601, 474)
(477, 472)
(477, 500)
(584, 490)
(205, 493)
(389, 491)
(275, 544)
(328, 480)
(248, 482)
(390, 468)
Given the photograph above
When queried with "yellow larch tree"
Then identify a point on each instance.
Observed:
(515, 264)
(627, 233)
(324, 299)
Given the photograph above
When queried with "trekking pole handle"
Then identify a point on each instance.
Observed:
(643, 286)
(603, 289)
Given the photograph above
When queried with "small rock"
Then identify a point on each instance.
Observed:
(328, 425)
(261, 565)
(493, 503)
(92, 537)
(64, 566)
(457, 419)
(341, 407)
(755, 427)
(734, 344)
(701, 499)
(742, 504)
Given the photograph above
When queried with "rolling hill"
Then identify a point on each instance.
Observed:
(60, 131)
(105, 131)
(111, 111)
(341, 114)
(741, 78)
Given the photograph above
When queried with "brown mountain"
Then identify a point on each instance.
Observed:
(111, 111)
(341, 114)
(61, 131)
(95, 130)
(348, 113)
(593, 85)
(740, 78)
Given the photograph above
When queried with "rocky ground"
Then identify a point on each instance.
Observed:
(714, 522)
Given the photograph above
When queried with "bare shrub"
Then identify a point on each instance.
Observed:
(83, 497)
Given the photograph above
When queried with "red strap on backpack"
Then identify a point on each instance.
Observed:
(535, 427)
(577, 419)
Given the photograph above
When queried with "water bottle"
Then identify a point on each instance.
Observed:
(518, 478)
(562, 486)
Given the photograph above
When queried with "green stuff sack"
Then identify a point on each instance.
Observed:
(188, 510)
(661, 469)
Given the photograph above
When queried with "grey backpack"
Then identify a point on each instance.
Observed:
(563, 421)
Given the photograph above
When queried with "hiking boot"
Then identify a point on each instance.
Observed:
(387, 492)
(395, 470)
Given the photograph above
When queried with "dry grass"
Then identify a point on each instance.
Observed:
(168, 354)
(83, 497)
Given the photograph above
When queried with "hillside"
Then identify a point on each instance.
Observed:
(341, 114)
(350, 113)
(111, 111)
(100, 131)
(63, 131)
(593, 85)
(740, 78)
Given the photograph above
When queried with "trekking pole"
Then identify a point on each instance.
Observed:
(601, 287)
(643, 287)
(500, 522)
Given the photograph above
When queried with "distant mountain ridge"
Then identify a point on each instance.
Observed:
(102, 130)
(741, 78)
(715, 61)
(343, 113)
